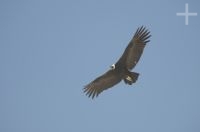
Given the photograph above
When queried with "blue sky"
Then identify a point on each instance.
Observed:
(50, 49)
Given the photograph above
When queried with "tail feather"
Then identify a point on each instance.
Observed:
(131, 78)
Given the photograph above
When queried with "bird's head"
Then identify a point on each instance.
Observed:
(112, 67)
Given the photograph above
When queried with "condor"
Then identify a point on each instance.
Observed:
(121, 70)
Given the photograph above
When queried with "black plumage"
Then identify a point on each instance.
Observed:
(121, 70)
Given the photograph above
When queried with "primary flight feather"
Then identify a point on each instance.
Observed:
(120, 70)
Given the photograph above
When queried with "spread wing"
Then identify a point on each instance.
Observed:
(107, 80)
(135, 48)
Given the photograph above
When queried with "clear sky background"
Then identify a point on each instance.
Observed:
(50, 49)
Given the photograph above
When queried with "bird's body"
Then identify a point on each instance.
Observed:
(121, 69)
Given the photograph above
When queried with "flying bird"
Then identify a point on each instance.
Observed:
(121, 70)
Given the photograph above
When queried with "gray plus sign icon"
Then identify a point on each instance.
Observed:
(186, 14)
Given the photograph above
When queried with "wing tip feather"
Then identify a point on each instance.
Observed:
(143, 34)
(90, 91)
